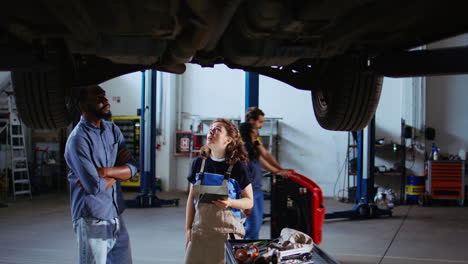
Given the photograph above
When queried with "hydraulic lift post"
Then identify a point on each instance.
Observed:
(364, 205)
(147, 196)
(251, 89)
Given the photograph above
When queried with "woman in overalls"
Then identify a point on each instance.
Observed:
(219, 190)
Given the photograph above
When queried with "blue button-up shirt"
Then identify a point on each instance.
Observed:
(90, 147)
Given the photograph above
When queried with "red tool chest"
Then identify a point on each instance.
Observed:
(446, 180)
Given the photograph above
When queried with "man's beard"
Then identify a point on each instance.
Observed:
(105, 116)
(102, 115)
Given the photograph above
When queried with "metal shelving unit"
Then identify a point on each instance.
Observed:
(399, 151)
(130, 128)
(383, 149)
(270, 136)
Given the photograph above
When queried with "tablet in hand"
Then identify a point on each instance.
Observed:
(210, 197)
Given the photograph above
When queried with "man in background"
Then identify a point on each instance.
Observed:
(259, 157)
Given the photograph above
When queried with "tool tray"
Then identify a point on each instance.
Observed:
(318, 255)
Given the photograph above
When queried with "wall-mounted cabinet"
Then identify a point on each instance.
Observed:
(184, 140)
(189, 143)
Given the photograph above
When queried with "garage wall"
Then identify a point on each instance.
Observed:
(208, 93)
(447, 106)
(389, 111)
(124, 94)
(305, 146)
(213, 92)
(388, 124)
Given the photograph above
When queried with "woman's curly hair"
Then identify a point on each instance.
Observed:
(234, 150)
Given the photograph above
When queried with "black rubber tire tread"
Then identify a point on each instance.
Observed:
(352, 94)
(40, 99)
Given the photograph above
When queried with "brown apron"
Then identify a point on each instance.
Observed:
(211, 225)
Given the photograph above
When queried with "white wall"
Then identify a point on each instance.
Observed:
(213, 92)
(209, 93)
(388, 124)
(447, 106)
(389, 111)
(124, 94)
(305, 146)
(166, 165)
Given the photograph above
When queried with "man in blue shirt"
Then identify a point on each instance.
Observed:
(98, 160)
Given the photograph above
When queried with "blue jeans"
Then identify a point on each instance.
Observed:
(102, 241)
(255, 219)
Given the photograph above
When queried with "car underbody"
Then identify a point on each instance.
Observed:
(337, 49)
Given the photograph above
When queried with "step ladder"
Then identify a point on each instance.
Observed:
(19, 162)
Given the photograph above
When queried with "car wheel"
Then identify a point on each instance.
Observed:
(348, 97)
(42, 99)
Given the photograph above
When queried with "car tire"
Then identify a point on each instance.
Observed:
(349, 95)
(42, 99)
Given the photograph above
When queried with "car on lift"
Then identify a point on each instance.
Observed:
(339, 50)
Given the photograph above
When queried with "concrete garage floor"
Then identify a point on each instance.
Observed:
(40, 231)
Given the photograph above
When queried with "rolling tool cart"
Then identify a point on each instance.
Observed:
(297, 203)
(446, 180)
